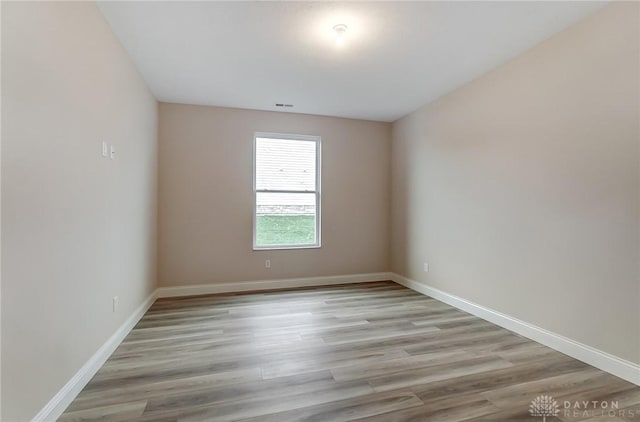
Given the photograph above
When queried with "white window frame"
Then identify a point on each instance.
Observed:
(292, 137)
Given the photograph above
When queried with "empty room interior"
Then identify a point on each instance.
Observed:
(320, 211)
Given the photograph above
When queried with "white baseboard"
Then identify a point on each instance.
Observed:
(56, 406)
(287, 283)
(607, 362)
(72, 388)
(597, 358)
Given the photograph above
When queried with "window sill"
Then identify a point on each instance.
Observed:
(284, 247)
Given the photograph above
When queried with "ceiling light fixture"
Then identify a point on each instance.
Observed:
(340, 29)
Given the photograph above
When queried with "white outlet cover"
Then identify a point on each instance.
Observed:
(426, 267)
(113, 152)
(105, 149)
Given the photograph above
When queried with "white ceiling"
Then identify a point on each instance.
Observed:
(397, 56)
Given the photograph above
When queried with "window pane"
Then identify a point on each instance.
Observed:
(285, 219)
(284, 164)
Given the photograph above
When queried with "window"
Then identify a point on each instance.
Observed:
(286, 189)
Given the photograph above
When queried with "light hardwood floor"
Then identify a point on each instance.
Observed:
(367, 352)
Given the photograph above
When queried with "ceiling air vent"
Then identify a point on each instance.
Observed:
(284, 105)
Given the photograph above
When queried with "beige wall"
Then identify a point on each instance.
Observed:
(521, 189)
(205, 213)
(77, 229)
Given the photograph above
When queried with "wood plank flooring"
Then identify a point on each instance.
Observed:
(366, 352)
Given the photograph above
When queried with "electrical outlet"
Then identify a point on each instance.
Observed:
(113, 152)
(267, 263)
(425, 267)
(105, 149)
(115, 303)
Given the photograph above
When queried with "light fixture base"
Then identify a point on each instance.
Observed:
(340, 28)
